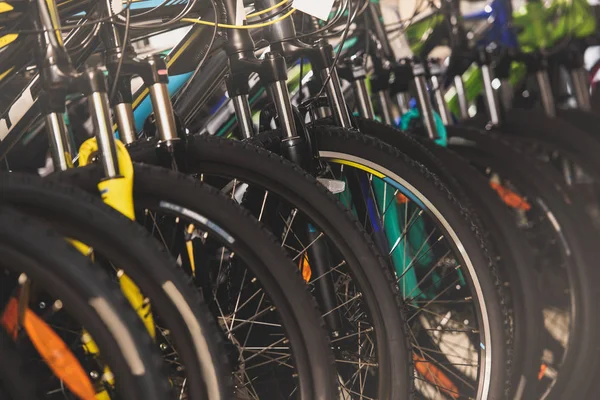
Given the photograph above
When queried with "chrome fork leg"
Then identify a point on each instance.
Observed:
(60, 148)
(543, 81)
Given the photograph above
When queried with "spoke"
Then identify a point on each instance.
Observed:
(288, 226)
(237, 302)
(414, 340)
(248, 385)
(343, 304)
(425, 306)
(262, 297)
(264, 350)
(249, 299)
(415, 258)
(155, 224)
(182, 392)
(430, 350)
(312, 281)
(445, 368)
(271, 360)
(444, 317)
(372, 194)
(357, 363)
(319, 236)
(434, 266)
(424, 355)
(370, 329)
(252, 320)
(414, 217)
(362, 396)
(262, 208)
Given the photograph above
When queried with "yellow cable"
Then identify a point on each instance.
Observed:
(266, 10)
(197, 21)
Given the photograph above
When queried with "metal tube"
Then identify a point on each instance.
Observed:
(336, 98)
(491, 98)
(60, 148)
(363, 101)
(543, 81)
(440, 101)
(163, 112)
(99, 111)
(403, 102)
(125, 122)
(425, 106)
(243, 115)
(323, 112)
(385, 106)
(461, 95)
(281, 98)
(581, 88)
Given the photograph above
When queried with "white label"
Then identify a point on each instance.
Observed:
(240, 12)
(317, 8)
(16, 112)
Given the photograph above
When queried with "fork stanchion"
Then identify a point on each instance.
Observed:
(436, 78)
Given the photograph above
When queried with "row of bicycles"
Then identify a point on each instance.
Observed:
(276, 205)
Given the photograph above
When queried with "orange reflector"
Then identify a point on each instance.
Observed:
(510, 198)
(435, 376)
(52, 348)
(401, 199)
(543, 369)
(304, 268)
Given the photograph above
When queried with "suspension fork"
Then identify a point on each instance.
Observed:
(424, 100)
(436, 73)
(380, 83)
(321, 59)
(273, 72)
(120, 59)
(580, 85)
(58, 79)
(579, 79)
(492, 102)
(538, 65)
(353, 71)
(400, 87)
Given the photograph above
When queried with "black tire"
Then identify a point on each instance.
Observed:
(88, 295)
(15, 382)
(332, 141)
(85, 217)
(166, 189)
(507, 243)
(233, 159)
(586, 121)
(538, 181)
(557, 134)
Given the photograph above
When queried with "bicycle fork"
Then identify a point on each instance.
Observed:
(273, 71)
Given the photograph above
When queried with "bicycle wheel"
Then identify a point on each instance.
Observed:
(565, 253)
(186, 331)
(506, 242)
(457, 311)
(288, 201)
(49, 287)
(274, 334)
